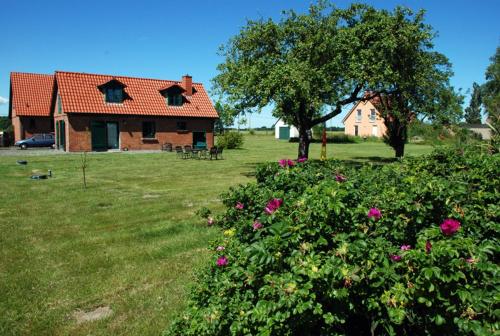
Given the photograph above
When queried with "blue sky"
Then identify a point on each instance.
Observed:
(166, 39)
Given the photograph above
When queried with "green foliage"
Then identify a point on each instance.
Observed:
(226, 117)
(230, 140)
(437, 134)
(473, 111)
(491, 99)
(306, 64)
(5, 124)
(320, 266)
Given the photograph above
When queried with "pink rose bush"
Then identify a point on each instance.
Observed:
(222, 261)
(284, 163)
(302, 159)
(257, 225)
(239, 206)
(395, 257)
(428, 247)
(374, 213)
(220, 248)
(405, 247)
(449, 226)
(273, 205)
(340, 178)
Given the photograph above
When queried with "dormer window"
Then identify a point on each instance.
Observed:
(114, 95)
(113, 91)
(174, 99)
(173, 94)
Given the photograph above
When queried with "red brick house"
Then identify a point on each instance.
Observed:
(30, 104)
(93, 112)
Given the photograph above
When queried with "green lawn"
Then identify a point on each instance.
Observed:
(131, 241)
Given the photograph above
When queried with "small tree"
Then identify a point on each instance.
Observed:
(473, 111)
(226, 117)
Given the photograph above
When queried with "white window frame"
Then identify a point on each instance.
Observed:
(373, 115)
(359, 115)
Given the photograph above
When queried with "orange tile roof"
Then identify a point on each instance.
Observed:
(32, 94)
(80, 94)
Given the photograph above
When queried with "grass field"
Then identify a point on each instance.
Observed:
(130, 241)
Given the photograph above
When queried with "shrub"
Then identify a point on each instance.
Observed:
(313, 248)
(230, 140)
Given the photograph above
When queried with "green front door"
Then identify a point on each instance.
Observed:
(199, 139)
(61, 135)
(99, 136)
(284, 133)
(112, 135)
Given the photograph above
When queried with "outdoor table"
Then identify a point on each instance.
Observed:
(199, 153)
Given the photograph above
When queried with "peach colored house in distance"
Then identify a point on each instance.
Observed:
(364, 120)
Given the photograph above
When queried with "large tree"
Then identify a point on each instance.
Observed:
(415, 80)
(491, 97)
(473, 111)
(310, 66)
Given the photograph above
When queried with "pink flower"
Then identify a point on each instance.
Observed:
(375, 213)
(210, 221)
(257, 225)
(405, 247)
(286, 163)
(395, 257)
(340, 178)
(222, 261)
(220, 248)
(428, 247)
(471, 260)
(449, 226)
(302, 159)
(273, 205)
(239, 206)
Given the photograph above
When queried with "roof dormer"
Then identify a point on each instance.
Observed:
(113, 91)
(173, 94)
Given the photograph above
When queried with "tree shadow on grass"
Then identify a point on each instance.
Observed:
(374, 159)
(251, 166)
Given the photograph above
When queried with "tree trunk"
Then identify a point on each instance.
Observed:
(304, 142)
(400, 149)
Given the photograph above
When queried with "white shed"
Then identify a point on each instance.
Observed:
(283, 131)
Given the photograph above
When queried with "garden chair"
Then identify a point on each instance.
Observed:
(187, 151)
(167, 146)
(179, 152)
(213, 153)
(219, 153)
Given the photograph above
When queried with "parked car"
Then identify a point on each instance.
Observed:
(37, 140)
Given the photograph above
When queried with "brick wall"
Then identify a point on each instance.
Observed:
(25, 127)
(78, 130)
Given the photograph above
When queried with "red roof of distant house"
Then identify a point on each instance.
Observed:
(32, 94)
(80, 94)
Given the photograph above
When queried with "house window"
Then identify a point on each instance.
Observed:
(373, 115)
(59, 104)
(181, 126)
(114, 95)
(148, 130)
(358, 115)
(174, 99)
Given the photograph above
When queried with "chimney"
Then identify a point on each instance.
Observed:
(187, 84)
